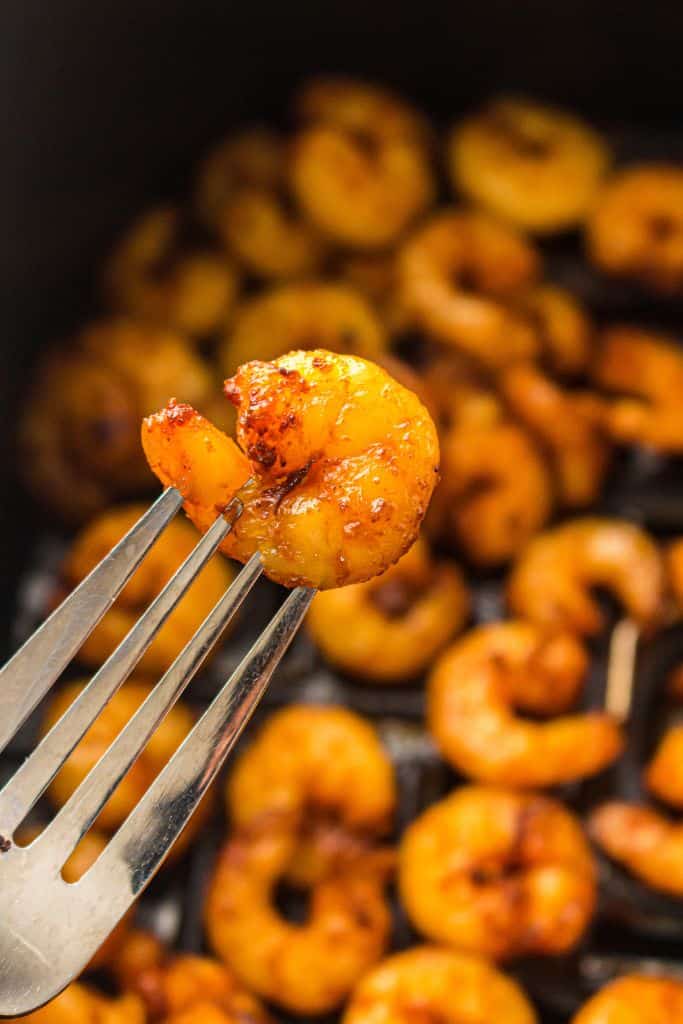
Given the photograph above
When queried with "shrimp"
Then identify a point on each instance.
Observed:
(302, 316)
(568, 427)
(498, 873)
(459, 394)
(644, 841)
(359, 165)
(167, 554)
(636, 227)
(342, 463)
(644, 371)
(565, 334)
(535, 166)
(252, 156)
(457, 276)
(79, 1004)
(664, 773)
(550, 583)
(634, 999)
(375, 276)
(429, 984)
(156, 274)
(479, 681)
(390, 628)
(674, 565)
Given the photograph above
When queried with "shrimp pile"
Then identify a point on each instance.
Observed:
(80, 1004)
(634, 999)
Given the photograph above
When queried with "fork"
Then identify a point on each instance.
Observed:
(50, 929)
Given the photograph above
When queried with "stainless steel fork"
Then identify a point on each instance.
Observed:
(49, 929)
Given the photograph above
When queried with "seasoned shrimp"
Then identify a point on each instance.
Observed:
(430, 984)
(79, 1004)
(459, 394)
(478, 683)
(390, 628)
(359, 165)
(674, 565)
(167, 554)
(644, 841)
(664, 773)
(155, 273)
(634, 999)
(645, 372)
(457, 276)
(566, 425)
(375, 276)
(636, 228)
(252, 156)
(342, 463)
(565, 334)
(551, 581)
(302, 316)
(498, 873)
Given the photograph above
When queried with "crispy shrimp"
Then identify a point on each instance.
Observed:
(172, 548)
(498, 873)
(457, 276)
(390, 628)
(478, 683)
(302, 316)
(636, 228)
(644, 370)
(566, 424)
(565, 334)
(634, 999)
(342, 463)
(157, 274)
(79, 1004)
(644, 841)
(551, 581)
(359, 165)
(430, 984)
(664, 773)
(532, 165)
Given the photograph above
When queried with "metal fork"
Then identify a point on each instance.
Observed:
(49, 929)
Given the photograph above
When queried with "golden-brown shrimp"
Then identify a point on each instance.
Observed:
(457, 276)
(79, 1004)
(302, 316)
(342, 460)
(478, 683)
(430, 984)
(634, 999)
(551, 581)
(167, 554)
(674, 566)
(664, 773)
(644, 841)
(252, 156)
(565, 334)
(359, 166)
(532, 165)
(645, 370)
(498, 873)
(375, 276)
(390, 628)
(155, 274)
(566, 426)
(459, 394)
(636, 228)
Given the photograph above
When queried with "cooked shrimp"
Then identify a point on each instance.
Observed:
(478, 683)
(457, 276)
(551, 581)
(498, 873)
(390, 628)
(252, 156)
(564, 331)
(645, 372)
(79, 1004)
(375, 276)
(644, 841)
(636, 228)
(302, 316)
(634, 999)
(664, 773)
(167, 554)
(430, 984)
(360, 166)
(566, 426)
(343, 462)
(459, 394)
(674, 565)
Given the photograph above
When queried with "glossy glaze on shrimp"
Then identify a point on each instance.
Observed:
(634, 999)
(340, 460)
(644, 841)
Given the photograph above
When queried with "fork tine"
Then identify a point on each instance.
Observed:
(30, 780)
(27, 677)
(85, 803)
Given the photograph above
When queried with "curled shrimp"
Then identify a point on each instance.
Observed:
(636, 227)
(664, 773)
(634, 999)
(568, 427)
(551, 581)
(390, 628)
(342, 463)
(644, 841)
(644, 371)
(532, 165)
(428, 983)
(157, 274)
(475, 688)
(459, 394)
(359, 165)
(252, 156)
(167, 554)
(457, 275)
(565, 334)
(302, 316)
(80, 1004)
(498, 873)
(375, 276)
